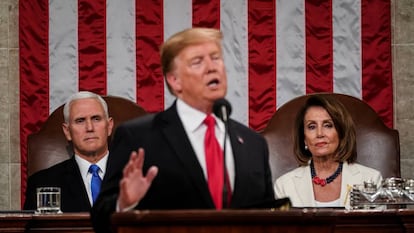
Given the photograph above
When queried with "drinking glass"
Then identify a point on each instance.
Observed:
(48, 200)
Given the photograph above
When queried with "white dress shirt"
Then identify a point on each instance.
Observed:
(192, 120)
(86, 175)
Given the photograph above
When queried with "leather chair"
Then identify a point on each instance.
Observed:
(49, 146)
(377, 145)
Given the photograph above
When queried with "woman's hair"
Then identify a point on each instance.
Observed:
(343, 123)
(83, 95)
(181, 40)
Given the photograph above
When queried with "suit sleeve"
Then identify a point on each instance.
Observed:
(30, 197)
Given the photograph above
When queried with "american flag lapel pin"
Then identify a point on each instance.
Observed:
(240, 139)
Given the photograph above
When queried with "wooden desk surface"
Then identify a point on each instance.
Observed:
(26, 222)
(235, 221)
(68, 222)
(14, 222)
(248, 221)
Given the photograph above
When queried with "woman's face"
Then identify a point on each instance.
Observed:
(321, 136)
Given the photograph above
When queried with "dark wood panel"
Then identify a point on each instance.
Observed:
(59, 223)
(248, 221)
(233, 221)
(14, 222)
(62, 223)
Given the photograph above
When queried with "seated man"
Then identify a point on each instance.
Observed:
(87, 126)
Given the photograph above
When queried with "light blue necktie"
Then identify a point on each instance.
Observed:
(95, 182)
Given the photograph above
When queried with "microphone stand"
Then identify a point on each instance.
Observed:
(226, 181)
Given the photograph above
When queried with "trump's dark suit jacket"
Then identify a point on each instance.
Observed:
(65, 175)
(180, 183)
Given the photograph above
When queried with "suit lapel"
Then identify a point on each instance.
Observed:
(240, 155)
(74, 181)
(177, 138)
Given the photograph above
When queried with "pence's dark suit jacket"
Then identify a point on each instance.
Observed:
(65, 175)
(180, 183)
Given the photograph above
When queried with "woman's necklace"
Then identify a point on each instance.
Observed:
(322, 182)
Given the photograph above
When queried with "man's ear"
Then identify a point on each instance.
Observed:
(65, 128)
(174, 82)
(110, 125)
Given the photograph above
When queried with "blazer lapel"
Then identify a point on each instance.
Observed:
(303, 184)
(175, 134)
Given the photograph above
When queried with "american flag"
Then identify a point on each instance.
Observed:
(274, 50)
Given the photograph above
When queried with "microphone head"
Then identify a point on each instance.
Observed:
(222, 109)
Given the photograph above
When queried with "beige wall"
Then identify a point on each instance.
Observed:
(9, 106)
(403, 71)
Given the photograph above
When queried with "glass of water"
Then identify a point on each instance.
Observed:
(48, 200)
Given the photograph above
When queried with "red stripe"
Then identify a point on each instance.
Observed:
(206, 13)
(262, 62)
(319, 54)
(149, 37)
(92, 45)
(34, 74)
(376, 58)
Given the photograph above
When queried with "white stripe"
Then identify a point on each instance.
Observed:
(234, 25)
(290, 50)
(63, 51)
(121, 48)
(177, 17)
(347, 47)
(290, 47)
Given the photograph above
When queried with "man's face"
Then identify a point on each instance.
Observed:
(88, 128)
(199, 76)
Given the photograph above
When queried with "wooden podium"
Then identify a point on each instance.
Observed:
(251, 221)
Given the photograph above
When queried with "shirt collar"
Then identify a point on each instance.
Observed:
(193, 118)
(84, 164)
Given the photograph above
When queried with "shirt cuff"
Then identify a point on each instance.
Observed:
(131, 207)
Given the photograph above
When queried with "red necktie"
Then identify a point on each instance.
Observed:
(214, 161)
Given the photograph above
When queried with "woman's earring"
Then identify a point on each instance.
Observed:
(306, 147)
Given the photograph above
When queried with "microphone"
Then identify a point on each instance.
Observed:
(222, 110)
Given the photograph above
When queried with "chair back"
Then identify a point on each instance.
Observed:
(49, 146)
(377, 145)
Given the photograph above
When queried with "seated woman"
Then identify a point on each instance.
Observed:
(325, 148)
